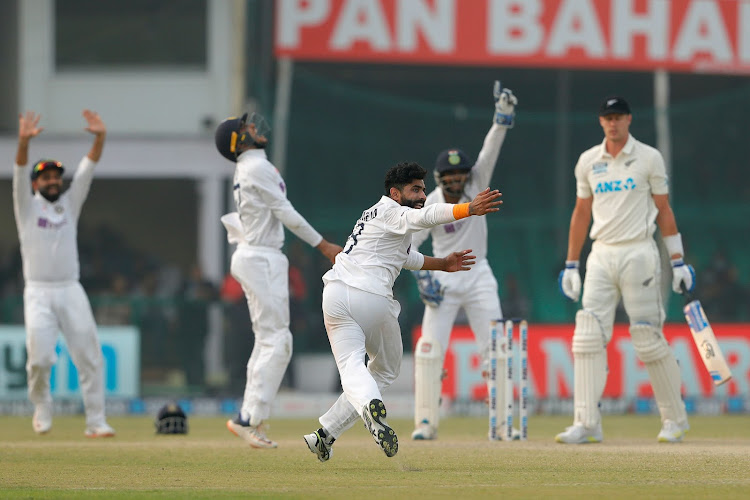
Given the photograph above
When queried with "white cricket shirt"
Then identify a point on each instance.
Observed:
(471, 232)
(260, 196)
(48, 231)
(381, 245)
(623, 208)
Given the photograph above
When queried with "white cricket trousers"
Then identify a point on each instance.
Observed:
(50, 308)
(360, 322)
(476, 292)
(631, 271)
(264, 275)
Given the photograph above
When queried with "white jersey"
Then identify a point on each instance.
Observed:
(471, 232)
(48, 231)
(381, 245)
(623, 208)
(264, 210)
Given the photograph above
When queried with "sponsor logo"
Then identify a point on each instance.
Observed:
(599, 168)
(59, 209)
(614, 186)
(648, 281)
(708, 350)
(45, 223)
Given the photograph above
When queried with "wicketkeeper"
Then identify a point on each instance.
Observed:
(458, 180)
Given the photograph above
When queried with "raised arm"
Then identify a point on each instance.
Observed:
(28, 127)
(96, 127)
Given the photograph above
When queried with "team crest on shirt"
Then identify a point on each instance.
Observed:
(59, 209)
(599, 168)
(282, 186)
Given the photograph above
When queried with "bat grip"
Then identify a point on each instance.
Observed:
(686, 293)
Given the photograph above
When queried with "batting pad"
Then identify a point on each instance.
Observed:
(663, 370)
(428, 370)
(590, 368)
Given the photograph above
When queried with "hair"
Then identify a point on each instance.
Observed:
(402, 174)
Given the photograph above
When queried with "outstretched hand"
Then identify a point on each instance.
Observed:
(459, 261)
(28, 125)
(95, 123)
(485, 202)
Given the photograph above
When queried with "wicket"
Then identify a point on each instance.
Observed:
(501, 346)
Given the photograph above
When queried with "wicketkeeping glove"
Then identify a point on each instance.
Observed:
(569, 280)
(505, 105)
(682, 273)
(430, 290)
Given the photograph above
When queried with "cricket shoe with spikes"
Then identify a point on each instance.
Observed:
(672, 432)
(374, 415)
(321, 446)
(578, 434)
(254, 435)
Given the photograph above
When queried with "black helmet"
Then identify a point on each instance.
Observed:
(228, 138)
(42, 165)
(171, 420)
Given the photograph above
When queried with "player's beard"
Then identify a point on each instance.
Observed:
(51, 197)
(412, 203)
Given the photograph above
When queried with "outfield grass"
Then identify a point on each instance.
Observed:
(713, 462)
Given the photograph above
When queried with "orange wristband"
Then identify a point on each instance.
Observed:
(461, 211)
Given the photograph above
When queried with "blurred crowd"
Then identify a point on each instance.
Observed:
(172, 306)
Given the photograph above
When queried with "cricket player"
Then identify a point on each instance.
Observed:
(458, 180)
(260, 266)
(622, 184)
(54, 300)
(360, 313)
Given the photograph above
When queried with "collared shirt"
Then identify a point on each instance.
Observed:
(264, 210)
(48, 231)
(381, 245)
(471, 232)
(623, 208)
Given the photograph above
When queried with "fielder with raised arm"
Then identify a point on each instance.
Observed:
(259, 265)
(360, 313)
(622, 183)
(53, 298)
(443, 293)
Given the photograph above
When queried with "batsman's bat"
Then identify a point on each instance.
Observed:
(705, 340)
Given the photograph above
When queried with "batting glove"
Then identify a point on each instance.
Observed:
(505, 105)
(682, 273)
(569, 280)
(430, 290)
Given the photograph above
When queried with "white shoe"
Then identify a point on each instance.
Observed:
(578, 434)
(374, 415)
(424, 431)
(318, 445)
(255, 436)
(100, 431)
(42, 419)
(672, 432)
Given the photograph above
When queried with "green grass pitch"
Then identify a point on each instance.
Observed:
(713, 462)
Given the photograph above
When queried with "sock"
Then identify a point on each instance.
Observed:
(328, 440)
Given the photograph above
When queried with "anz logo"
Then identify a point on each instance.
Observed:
(615, 185)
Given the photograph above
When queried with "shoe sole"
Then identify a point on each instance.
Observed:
(588, 440)
(105, 435)
(386, 437)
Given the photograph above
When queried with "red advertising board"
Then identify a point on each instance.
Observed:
(551, 363)
(678, 35)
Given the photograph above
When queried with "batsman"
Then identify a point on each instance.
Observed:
(458, 181)
(622, 184)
